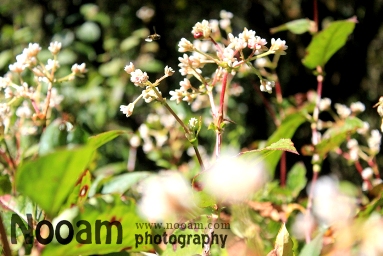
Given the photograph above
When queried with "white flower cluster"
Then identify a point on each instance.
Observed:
(140, 79)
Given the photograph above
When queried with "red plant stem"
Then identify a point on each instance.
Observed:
(221, 113)
(283, 169)
(315, 16)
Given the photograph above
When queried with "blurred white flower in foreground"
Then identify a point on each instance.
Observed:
(165, 195)
(330, 205)
(232, 179)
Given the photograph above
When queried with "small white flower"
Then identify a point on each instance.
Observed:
(54, 47)
(165, 195)
(139, 78)
(127, 110)
(135, 141)
(201, 29)
(278, 46)
(223, 14)
(234, 180)
(367, 173)
(267, 86)
(342, 110)
(364, 129)
(33, 49)
(129, 68)
(17, 67)
(169, 71)
(185, 84)
(357, 107)
(328, 199)
(324, 104)
(177, 95)
(185, 45)
(374, 140)
(79, 69)
(193, 123)
(145, 13)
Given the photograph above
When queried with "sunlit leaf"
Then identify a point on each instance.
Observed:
(49, 179)
(327, 42)
(283, 243)
(203, 199)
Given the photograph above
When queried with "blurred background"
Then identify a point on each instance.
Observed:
(107, 35)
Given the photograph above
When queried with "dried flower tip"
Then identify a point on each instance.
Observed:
(54, 47)
(127, 110)
(79, 69)
(139, 78)
(278, 46)
(129, 68)
(169, 71)
(201, 29)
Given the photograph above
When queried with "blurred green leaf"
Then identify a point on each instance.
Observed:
(49, 179)
(88, 32)
(121, 183)
(129, 43)
(5, 58)
(54, 136)
(337, 134)
(299, 26)
(112, 67)
(313, 248)
(106, 208)
(327, 42)
(296, 178)
(102, 138)
(5, 185)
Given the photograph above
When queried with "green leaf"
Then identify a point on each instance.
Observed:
(121, 183)
(286, 130)
(327, 42)
(49, 179)
(88, 32)
(268, 153)
(102, 138)
(337, 134)
(299, 26)
(54, 136)
(80, 192)
(106, 208)
(296, 178)
(283, 243)
(203, 199)
(313, 248)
